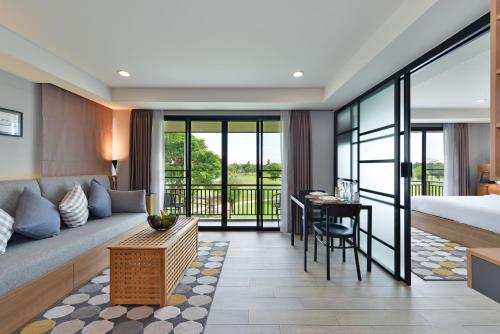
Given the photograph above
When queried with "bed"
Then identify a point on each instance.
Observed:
(473, 221)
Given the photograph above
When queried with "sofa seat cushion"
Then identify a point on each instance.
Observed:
(19, 265)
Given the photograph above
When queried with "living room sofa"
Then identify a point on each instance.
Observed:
(35, 274)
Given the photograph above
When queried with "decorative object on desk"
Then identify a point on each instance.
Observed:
(162, 222)
(317, 193)
(355, 197)
(337, 192)
(11, 123)
(329, 199)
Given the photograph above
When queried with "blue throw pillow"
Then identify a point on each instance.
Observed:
(36, 217)
(99, 200)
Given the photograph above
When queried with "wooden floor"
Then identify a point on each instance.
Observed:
(264, 290)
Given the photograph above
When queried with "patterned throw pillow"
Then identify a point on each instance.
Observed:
(6, 229)
(74, 207)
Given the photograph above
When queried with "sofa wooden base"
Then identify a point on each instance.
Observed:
(466, 235)
(30, 300)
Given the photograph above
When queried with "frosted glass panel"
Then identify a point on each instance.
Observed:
(402, 243)
(344, 120)
(355, 162)
(377, 177)
(344, 156)
(378, 109)
(384, 255)
(377, 149)
(382, 220)
(354, 115)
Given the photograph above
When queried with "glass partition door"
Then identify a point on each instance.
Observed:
(371, 136)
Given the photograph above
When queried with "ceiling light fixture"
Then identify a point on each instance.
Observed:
(123, 73)
(298, 74)
(481, 100)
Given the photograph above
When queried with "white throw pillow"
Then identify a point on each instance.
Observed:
(74, 207)
(6, 229)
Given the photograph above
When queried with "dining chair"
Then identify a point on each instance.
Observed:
(332, 229)
(315, 213)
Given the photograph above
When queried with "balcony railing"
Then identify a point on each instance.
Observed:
(206, 201)
(434, 188)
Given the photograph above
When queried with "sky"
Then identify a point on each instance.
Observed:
(242, 146)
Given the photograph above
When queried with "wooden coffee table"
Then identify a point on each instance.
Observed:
(146, 267)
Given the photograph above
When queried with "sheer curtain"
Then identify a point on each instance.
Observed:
(285, 140)
(456, 160)
(157, 159)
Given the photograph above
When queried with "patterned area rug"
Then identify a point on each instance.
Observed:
(437, 259)
(87, 309)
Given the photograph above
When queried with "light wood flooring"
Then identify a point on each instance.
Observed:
(264, 290)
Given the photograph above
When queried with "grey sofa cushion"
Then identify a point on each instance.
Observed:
(18, 265)
(99, 200)
(36, 217)
(54, 188)
(128, 201)
(10, 192)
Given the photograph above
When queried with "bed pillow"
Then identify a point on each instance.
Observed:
(36, 217)
(74, 207)
(99, 200)
(128, 201)
(6, 229)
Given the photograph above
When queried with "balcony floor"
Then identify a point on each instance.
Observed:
(264, 290)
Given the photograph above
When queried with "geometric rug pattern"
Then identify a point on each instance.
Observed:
(437, 259)
(87, 310)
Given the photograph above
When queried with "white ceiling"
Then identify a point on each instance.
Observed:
(456, 80)
(227, 54)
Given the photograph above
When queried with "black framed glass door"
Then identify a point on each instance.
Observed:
(225, 171)
(371, 136)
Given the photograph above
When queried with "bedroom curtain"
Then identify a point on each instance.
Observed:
(285, 165)
(456, 160)
(157, 159)
(140, 150)
(299, 162)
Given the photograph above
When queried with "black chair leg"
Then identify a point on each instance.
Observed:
(328, 258)
(315, 246)
(332, 243)
(357, 260)
(343, 250)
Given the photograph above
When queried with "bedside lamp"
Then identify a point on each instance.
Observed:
(485, 179)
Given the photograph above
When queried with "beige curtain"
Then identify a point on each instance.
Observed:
(140, 149)
(77, 134)
(299, 158)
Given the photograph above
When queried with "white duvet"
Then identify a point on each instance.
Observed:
(478, 211)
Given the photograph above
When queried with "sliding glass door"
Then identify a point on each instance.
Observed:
(428, 160)
(225, 171)
(371, 136)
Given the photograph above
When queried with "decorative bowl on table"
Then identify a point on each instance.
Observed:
(162, 222)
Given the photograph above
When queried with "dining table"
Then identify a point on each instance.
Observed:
(306, 204)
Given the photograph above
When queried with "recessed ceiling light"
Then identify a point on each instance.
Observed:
(481, 100)
(298, 74)
(123, 73)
